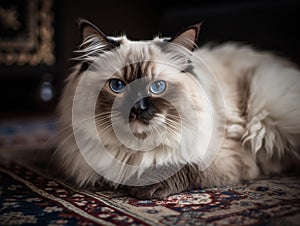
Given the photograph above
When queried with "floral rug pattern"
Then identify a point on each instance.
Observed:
(29, 198)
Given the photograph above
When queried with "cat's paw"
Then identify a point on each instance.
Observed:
(154, 191)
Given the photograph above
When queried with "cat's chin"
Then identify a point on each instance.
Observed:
(139, 129)
(142, 130)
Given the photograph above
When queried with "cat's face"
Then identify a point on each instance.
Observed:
(129, 106)
(146, 86)
(139, 95)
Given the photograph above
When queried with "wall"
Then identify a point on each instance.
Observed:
(267, 24)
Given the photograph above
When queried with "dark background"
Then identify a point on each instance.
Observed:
(267, 24)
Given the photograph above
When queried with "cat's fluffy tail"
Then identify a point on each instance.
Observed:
(273, 116)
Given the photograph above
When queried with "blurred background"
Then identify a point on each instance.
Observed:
(37, 38)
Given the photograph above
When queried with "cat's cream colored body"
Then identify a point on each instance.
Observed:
(249, 119)
(269, 125)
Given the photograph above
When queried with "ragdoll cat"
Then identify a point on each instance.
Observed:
(162, 116)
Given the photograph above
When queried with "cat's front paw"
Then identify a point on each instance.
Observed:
(154, 191)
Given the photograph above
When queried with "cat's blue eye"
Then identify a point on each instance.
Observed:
(117, 85)
(158, 87)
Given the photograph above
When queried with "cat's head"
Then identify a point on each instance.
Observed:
(143, 97)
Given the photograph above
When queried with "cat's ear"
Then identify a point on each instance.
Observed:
(89, 33)
(188, 37)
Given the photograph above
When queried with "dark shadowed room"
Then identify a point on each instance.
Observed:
(149, 113)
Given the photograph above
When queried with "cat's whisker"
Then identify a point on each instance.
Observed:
(173, 125)
(104, 126)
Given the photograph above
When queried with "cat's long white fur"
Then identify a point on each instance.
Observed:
(272, 126)
(262, 138)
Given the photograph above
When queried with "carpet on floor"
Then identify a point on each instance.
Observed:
(29, 197)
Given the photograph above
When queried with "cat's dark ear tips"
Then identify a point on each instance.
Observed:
(188, 38)
(89, 31)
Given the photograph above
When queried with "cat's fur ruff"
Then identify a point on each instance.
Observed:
(261, 112)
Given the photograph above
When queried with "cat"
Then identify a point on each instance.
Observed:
(163, 116)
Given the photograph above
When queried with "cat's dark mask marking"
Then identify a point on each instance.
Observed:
(136, 103)
(142, 108)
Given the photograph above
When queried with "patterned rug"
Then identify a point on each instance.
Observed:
(30, 198)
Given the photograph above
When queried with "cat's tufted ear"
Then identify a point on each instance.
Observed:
(90, 32)
(188, 37)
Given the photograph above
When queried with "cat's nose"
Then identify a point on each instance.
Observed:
(142, 110)
(140, 106)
